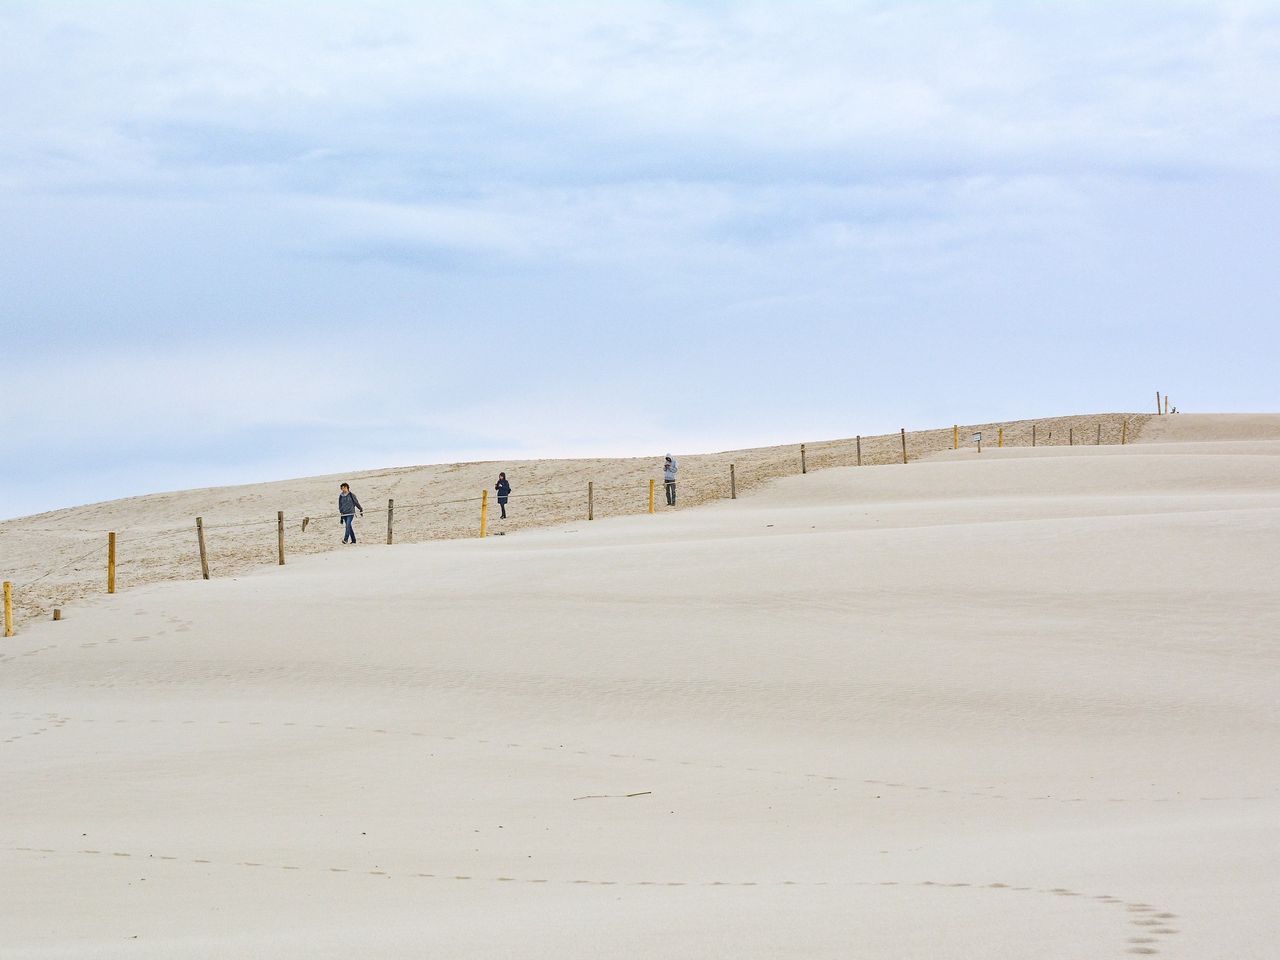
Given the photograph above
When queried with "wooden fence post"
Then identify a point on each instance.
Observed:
(591, 500)
(859, 449)
(1124, 432)
(8, 609)
(1071, 436)
(904, 444)
(280, 537)
(999, 436)
(803, 467)
(111, 563)
(1098, 442)
(652, 483)
(733, 483)
(1166, 403)
(204, 557)
(57, 613)
(1033, 434)
(955, 437)
(1157, 403)
(484, 511)
(391, 514)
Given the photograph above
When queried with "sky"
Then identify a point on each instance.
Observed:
(250, 241)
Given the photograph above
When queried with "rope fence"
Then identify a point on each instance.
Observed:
(197, 548)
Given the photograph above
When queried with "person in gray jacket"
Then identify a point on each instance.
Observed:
(348, 504)
(669, 470)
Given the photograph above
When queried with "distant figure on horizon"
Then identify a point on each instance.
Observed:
(348, 504)
(669, 470)
(504, 491)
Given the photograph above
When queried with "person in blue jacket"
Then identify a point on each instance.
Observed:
(348, 504)
(504, 491)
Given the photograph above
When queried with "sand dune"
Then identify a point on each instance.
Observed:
(1022, 703)
(58, 558)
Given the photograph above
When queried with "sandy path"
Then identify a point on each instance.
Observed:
(1018, 706)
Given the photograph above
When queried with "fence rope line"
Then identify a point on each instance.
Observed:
(407, 504)
(62, 568)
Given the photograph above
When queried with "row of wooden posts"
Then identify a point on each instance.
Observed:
(1071, 436)
(484, 511)
(391, 508)
(591, 498)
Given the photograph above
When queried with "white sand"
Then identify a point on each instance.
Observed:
(1016, 705)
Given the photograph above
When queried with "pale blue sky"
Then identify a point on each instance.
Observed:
(246, 241)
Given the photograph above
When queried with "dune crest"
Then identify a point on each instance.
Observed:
(58, 558)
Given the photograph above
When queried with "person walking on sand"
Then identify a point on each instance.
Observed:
(348, 504)
(504, 491)
(669, 470)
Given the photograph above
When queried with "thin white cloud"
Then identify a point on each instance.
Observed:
(966, 84)
(146, 395)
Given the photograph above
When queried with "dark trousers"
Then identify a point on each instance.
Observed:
(502, 502)
(347, 532)
(670, 487)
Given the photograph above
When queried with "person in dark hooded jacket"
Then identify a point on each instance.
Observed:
(504, 491)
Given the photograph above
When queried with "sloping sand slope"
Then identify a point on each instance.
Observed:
(58, 558)
(1008, 706)
(1195, 427)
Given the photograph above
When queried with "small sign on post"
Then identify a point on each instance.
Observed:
(977, 438)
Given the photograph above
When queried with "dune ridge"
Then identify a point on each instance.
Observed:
(57, 558)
